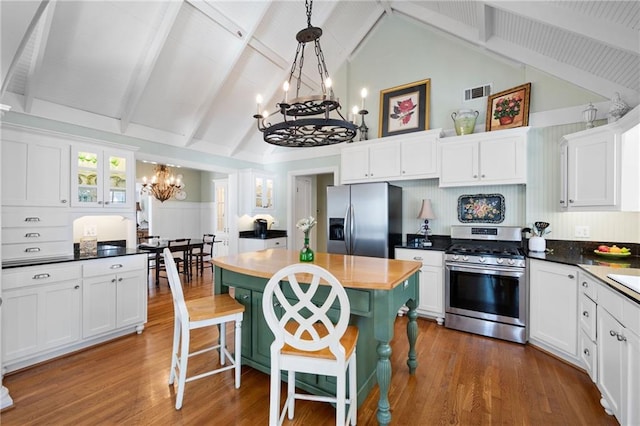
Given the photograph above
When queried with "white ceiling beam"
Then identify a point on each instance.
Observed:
(147, 63)
(386, 6)
(568, 19)
(579, 77)
(485, 21)
(40, 43)
(245, 35)
(23, 44)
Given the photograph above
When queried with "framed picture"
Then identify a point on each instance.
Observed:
(509, 108)
(481, 208)
(405, 109)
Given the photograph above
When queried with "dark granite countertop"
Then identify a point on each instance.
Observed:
(438, 242)
(271, 233)
(103, 253)
(573, 253)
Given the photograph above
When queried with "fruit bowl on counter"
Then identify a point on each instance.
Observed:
(613, 251)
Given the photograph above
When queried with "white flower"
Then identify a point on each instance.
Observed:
(306, 223)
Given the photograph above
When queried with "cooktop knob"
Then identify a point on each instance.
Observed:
(465, 257)
(455, 257)
(511, 261)
(482, 259)
(500, 260)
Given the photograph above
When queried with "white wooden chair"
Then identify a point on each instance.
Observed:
(203, 312)
(307, 341)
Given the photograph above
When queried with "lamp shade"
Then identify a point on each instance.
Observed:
(426, 212)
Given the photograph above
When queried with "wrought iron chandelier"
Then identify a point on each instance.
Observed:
(298, 129)
(163, 184)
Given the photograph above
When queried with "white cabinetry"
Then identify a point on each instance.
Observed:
(599, 167)
(492, 158)
(114, 294)
(619, 355)
(54, 309)
(431, 283)
(587, 338)
(257, 194)
(35, 233)
(35, 171)
(255, 244)
(41, 309)
(402, 157)
(102, 177)
(553, 308)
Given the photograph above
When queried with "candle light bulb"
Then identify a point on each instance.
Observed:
(363, 93)
(285, 86)
(328, 83)
(144, 180)
(355, 110)
(265, 114)
(259, 102)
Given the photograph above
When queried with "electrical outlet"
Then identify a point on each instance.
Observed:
(91, 230)
(582, 231)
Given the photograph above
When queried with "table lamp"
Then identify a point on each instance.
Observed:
(426, 213)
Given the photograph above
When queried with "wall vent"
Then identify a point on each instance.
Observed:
(477, 92)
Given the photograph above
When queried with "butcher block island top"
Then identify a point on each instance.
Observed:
(358, 272)
(377, 289)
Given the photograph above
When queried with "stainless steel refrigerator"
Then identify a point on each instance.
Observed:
(364, 219)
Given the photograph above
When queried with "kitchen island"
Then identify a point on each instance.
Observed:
(377, 288)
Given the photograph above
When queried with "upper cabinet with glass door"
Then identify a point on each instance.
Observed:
(259, 190)
(102, 178)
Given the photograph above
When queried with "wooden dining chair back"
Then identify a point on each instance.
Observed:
(205, 254)
(184, 257)
(216, 310)
(308, 311)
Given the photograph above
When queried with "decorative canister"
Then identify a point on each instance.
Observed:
(464, 121)
(537, 244)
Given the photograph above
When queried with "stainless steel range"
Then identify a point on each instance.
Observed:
(486, 282)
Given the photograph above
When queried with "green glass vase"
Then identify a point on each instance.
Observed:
(306, 254)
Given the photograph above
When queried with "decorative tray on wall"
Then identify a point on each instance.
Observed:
(481, 208)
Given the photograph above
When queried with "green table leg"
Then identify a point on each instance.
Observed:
(412, 334)
(383, 373)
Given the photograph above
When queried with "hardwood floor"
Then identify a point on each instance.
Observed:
(461, 379)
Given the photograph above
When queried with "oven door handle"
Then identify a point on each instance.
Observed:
(486, 269)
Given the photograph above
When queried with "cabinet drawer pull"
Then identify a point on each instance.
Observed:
(245, 297)
(621, 338)
(571, 201)
(40, 276)
(32, 249)
(585, 284)
(77, 287)
(475, 176)
(113, 280)
(277, 244)
(405, 284)
(613, 333)
(63, 201)
(417, 258)
(585, 314)
(571, 276)
(561, 201)
(116, 266)
(31, 235)
(106, 202)
(120, 279)
(32, 219)
(586, 352)
(99, 202)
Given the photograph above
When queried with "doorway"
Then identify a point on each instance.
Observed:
(307, 197)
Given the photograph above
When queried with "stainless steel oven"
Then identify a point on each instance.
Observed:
(486, 282)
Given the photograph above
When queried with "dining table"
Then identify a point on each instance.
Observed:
(159, 246)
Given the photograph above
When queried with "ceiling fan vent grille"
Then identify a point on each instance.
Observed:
(477, 92)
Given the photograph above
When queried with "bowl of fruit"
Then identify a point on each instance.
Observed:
(613, 251)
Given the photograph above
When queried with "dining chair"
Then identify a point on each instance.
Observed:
(182, 260)
(151, 257)
(216, 310)
(311, 335)
(205, 254)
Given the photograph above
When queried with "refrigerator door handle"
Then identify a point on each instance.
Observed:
(352, 236)
(347, 232)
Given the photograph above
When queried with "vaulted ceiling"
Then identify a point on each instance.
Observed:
(185, 73)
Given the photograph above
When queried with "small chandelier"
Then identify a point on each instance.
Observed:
(297, 132)
(163, 184)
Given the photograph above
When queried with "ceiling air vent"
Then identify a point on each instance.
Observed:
(477, 92)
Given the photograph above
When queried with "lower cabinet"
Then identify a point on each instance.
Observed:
(618, 330)
(54, 309)
(255, 244)
(553, 316)
(431, 281)
(41, 310)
